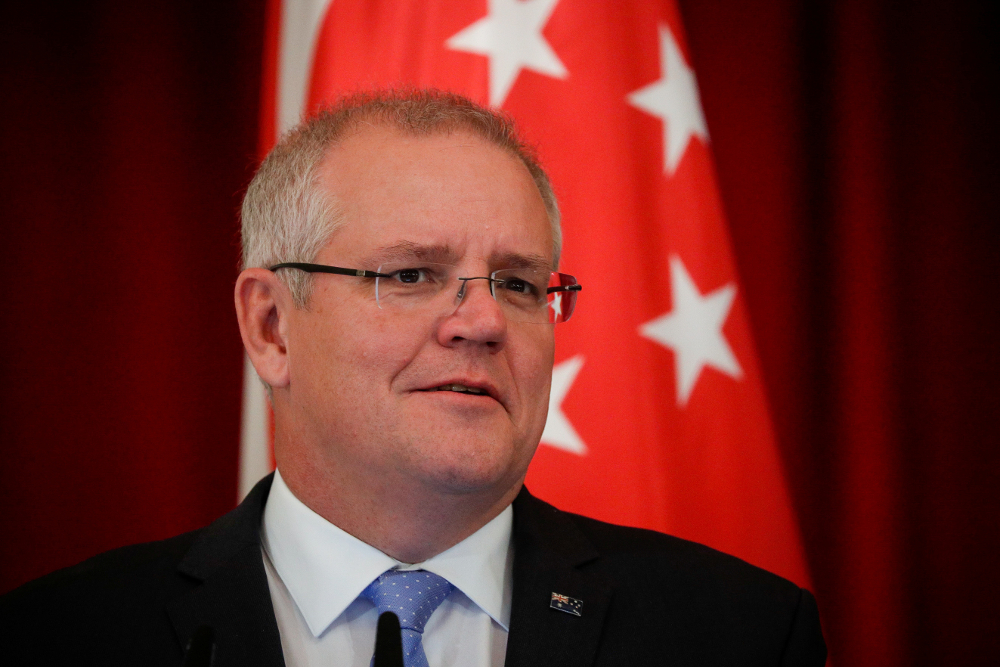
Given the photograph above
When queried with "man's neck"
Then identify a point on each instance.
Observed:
(399, 517)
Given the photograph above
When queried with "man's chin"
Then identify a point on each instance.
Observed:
(479, 469)
(486, 487)
(481, 426)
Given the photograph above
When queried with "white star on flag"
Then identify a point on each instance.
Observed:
(693, 330)
(556, 305)
(558, 431)
(674, 99)
(510, 35)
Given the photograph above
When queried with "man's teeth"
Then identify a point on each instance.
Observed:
(459, 387)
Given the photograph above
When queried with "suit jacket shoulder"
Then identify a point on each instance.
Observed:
(139, 605)
(648, 598)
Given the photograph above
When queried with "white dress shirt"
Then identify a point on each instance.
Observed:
(315, 572)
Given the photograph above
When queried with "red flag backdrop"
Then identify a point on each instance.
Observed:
(657, 416)
(856, 151)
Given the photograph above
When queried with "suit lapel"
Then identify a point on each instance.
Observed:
(550, 555)
(232, 596)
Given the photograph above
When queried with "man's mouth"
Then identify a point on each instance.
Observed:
(460, 388)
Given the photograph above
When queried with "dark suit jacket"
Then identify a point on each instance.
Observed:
(648, 599)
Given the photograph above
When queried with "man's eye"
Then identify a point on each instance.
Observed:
(411, 275)
(520, 286)
(517, 285)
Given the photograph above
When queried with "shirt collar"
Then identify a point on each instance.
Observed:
(325, 568)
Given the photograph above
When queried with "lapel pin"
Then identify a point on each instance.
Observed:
(566, 604)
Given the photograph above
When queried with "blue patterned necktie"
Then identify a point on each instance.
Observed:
(413, 596)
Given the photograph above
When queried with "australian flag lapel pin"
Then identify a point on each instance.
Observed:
(566, 604)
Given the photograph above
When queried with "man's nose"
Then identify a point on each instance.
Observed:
(477, 316)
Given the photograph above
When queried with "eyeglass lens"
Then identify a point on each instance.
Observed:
(524, 295)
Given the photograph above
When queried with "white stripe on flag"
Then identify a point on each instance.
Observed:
(299, 18)
(255, 439)
(300, 23)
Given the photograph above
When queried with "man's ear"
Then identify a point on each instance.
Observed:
(262, 308)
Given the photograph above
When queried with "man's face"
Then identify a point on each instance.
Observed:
(362, 378)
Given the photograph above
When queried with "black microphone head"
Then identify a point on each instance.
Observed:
(201, 648)
(388, 642)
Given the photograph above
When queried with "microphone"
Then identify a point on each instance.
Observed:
(388, 642)
(201, 648)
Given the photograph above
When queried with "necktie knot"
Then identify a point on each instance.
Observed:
(412, 595)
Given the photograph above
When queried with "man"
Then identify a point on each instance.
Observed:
(398, 299)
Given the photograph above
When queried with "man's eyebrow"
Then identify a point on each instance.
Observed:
(514, 260)
(404, 250)
(445, 254)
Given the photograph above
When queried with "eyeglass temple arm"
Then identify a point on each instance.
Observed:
(323, 268)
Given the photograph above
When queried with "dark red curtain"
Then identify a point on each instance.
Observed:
(857, 148)
(128, 132)
(858, 152)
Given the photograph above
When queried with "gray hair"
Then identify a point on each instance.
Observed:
(287, 218)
